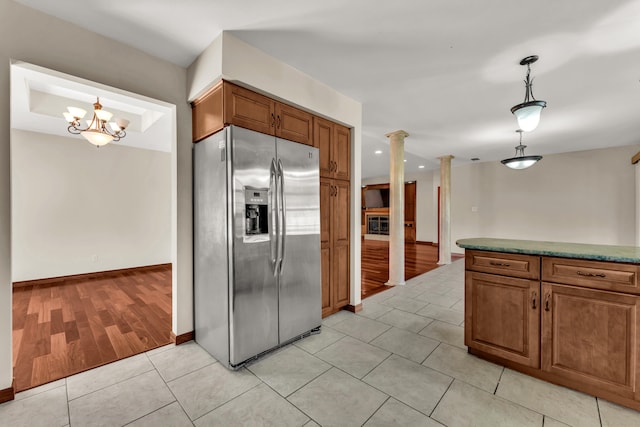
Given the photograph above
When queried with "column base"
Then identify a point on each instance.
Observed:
(390, 283)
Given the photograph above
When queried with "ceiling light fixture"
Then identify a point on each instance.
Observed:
(520, 161)
(421, 167)
(378, 151)
(528, 113)
(96, 131)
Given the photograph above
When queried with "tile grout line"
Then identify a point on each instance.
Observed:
(440, 400)
(230, 400)
(376, 411)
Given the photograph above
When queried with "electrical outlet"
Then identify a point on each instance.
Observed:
(474, 209)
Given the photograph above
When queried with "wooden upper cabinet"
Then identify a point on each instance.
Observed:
(341, 152)
(322, 139)
(591, 337)
(249, 109)
(334, 142)
(206, 115)
(293, 124)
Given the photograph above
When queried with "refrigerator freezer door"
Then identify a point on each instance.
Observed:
(253, 296)
(210, 244)
(300, 288)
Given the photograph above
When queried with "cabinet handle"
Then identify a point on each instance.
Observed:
(278, 121)
(273, 120)
(534, 299)
(546, 302)
(582, 273)
(500, 264)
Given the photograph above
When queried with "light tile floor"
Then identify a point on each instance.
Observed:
(401, 361)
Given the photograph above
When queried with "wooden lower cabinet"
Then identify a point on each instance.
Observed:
(576, 336)
(503, 319)
(334, 241)
(591, 337)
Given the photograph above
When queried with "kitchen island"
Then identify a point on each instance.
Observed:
(566, 313)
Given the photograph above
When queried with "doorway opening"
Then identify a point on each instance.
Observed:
(91, 228)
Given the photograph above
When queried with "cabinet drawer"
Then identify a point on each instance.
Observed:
(513, 265)
(591, 274)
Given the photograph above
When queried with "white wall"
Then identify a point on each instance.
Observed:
(582, 197)
(426, 203)
(71, 201)
(253, 68)
(31, 36)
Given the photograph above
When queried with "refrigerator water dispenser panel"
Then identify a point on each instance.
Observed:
(256, 214)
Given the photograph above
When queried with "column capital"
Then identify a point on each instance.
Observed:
(448, 156)
(634, 160)
(398, 133)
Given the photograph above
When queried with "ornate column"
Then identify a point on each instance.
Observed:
(444, 245)
(396, 208)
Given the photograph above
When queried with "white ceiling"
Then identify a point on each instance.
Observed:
(39, 97)
(446, 71)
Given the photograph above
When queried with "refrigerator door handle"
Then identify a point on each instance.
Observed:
(282, 208)
(274, 231)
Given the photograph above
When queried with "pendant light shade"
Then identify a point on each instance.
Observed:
(528, 112)
(520, 161)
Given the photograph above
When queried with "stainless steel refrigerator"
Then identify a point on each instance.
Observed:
(256, 243)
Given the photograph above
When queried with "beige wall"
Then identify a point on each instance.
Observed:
(243, 63)
(34, 37)
(583, 197)
(71, 201)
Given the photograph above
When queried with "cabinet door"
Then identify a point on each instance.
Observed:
(206, 115)
(248, 109)
(294, 124)
(322, 139)
(502, 317)
(326, 190)
(591, 337)
(341, 152)
(340, 238)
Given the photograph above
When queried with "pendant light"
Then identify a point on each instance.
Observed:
(520, 161)
(96, 131)
(528, 112)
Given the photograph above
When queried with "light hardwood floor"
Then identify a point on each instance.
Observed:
(418, 259)
(77, 324)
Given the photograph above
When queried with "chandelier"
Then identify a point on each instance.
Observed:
(96, 131)
(528, 112)
(520, 161)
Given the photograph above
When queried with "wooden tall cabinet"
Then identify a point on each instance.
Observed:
(334, 143)
(334, 241)
(230, 104)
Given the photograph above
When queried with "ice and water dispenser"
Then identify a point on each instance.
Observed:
(256, 212)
